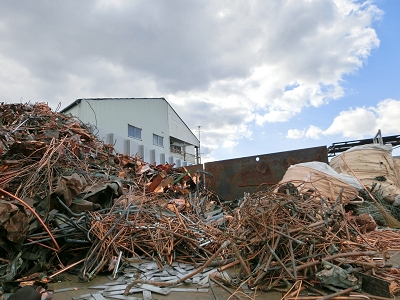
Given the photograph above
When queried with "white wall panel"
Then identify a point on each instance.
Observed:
(127, 147)
(152, 115)
(179, 130)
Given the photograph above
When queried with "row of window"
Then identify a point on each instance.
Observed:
(136, 133)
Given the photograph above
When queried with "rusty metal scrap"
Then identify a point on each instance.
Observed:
(62, 189)
(68, 202)
(282, 238)
(151, 230)
(384, 238)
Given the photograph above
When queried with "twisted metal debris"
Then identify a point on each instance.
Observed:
(68, 200)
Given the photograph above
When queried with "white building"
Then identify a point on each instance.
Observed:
(147, 126)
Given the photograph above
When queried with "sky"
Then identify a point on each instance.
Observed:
(249, 77)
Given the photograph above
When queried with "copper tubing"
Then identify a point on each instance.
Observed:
(227, 266)
(340, 293)
(66, 268)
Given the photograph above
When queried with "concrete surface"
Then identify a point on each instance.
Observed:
(71, 281)
(82, 288)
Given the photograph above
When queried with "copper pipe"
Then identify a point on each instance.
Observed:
(340, 293)
(227, 266)
(67, 268)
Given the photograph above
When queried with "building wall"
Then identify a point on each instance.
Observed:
(151, 115)
(135, 147)
(178, 129)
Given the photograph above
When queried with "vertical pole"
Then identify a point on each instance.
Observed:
(198, 154)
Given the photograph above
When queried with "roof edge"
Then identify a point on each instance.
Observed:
(77, 101)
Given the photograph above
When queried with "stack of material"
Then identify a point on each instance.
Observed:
(155, 229)
(373, 165)
(68, 199)
(62, 191)
(284, 242)
(283, 237)
(318, 179)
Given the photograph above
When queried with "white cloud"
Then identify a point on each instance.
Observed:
(295, 134)
(388, 112)
(358, 122)
(222, 64)
(353, 123)
(314, 132)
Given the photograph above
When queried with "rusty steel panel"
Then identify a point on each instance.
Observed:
(233, 177)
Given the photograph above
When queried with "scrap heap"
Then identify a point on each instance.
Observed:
(283, 241)
(64, 193)
(67, 199)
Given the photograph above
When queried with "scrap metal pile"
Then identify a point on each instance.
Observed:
(283, 241)
(67, 200)
(64, 193)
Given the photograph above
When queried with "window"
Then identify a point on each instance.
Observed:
(134, 132)
(158, 140)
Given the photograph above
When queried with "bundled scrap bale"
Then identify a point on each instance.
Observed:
(317, 179)
(374, 165)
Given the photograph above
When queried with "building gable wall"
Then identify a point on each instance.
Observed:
(153, 116)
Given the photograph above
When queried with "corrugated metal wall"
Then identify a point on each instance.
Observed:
(178, 129)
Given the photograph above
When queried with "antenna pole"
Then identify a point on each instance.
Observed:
(199, 154)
